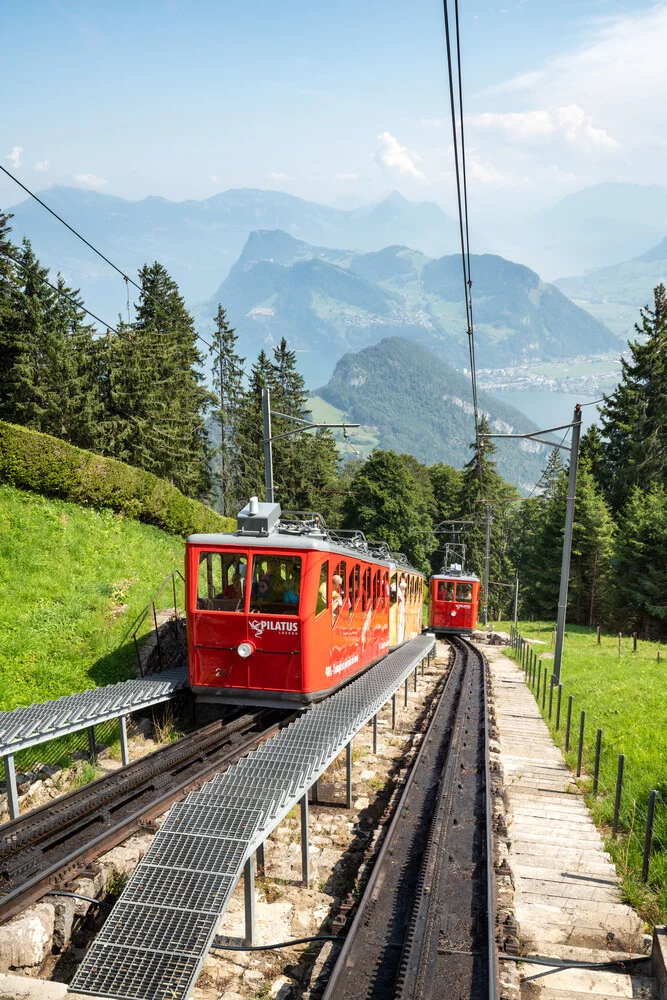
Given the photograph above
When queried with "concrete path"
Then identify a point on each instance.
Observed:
(567, 898)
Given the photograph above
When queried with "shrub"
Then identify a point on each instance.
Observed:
(34, 461)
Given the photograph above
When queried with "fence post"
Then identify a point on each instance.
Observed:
(580, 750)
(634, 642)
(648, 839)
(393, 711)
(569, 722)
(598, 634)
(596, 771)
(539, 679)
(544, 690)
(157, 636)
(348, 775)
(619, 790)
(405, 696)
(560, 697)
(620, 637)
(551, 695)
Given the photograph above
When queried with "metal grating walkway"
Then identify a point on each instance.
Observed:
(26, 727)
(155, 940)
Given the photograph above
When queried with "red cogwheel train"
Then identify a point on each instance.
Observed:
(284, 610)
(453, 602)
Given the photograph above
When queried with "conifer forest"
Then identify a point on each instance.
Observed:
(141, 393)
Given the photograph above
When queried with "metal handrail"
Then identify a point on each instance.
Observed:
(151, 605)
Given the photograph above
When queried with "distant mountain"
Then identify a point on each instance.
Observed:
(596, 227)
(418, 404)
(326, 302)
(198, 241)
(615, 294)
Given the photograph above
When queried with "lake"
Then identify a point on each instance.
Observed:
(549, 409)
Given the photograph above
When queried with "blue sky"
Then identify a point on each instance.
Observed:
(333, 102)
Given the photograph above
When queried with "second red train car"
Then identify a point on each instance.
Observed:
(453, 601)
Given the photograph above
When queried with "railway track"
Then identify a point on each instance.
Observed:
(424, 928)
(45, 848)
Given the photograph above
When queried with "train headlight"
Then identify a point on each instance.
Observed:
(245, 649)
(453, 614)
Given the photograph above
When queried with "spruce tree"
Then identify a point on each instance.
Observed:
(228, 388)
(482, 486)
(634, 417)
(155, 401)
(247, 473)
(641, 561)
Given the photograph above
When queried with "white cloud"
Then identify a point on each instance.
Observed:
(578, 128)
(524, 81)
(214, 178)
(347, 177)
(15, 156)
(397, 160)
(90, 181)
(488, 174)
(41, 165)
(277, 176)
(569, 122)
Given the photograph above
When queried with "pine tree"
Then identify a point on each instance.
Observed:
(155, 401)
(228, 387)
(248, 470)
(634, 417)
(641, 561)
(591, 450)
(483, 486)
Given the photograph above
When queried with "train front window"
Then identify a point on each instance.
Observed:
(276, 585)
(221, 581)
(464, 592)
(445, 590)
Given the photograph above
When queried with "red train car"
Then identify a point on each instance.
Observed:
(453, 601)
(284, 611)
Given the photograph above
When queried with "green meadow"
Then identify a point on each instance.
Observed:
(623, 695)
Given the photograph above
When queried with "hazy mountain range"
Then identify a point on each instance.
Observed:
(326, 302)
(199, 241)
(615, 294)
(408, 400)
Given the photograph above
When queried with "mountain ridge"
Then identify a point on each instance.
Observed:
(422, 406)
(327, 302)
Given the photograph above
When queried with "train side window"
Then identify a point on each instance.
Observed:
(221, 581)
(376, 589)
(276, 585)
(385, 590)
(464, 591)
(365, 588)
(338, 590)
(445, 590)
(393, 589)
(323, 589)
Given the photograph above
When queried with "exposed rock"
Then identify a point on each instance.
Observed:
(25, 941)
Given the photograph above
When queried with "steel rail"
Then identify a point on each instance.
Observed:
(405, 959)
(45, 832)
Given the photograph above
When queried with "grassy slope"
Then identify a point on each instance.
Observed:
(62, 569)
(625, 698)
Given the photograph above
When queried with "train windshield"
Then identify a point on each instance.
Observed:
(221, 581)
(445, 590)
(275, 585)
(464, 591)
